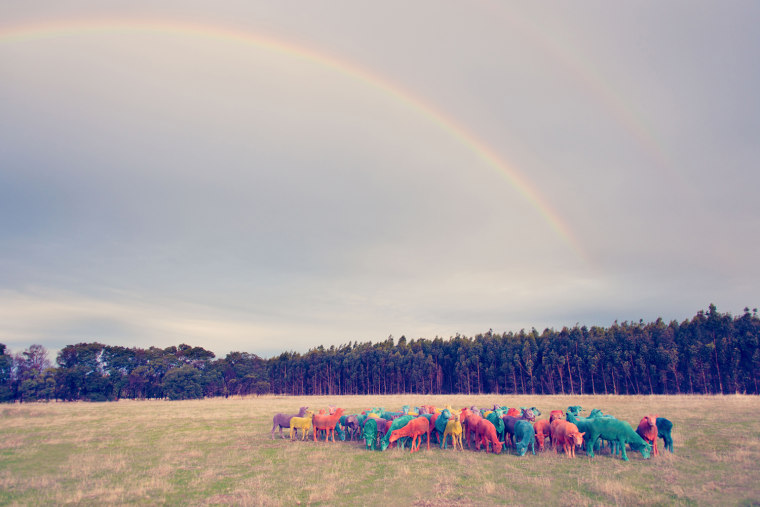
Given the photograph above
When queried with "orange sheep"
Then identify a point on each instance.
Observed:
(566, 434)
(326, 422)
(414, 429)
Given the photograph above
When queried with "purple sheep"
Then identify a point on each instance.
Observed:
(283, 420)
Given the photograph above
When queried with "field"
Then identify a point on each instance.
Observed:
(219, 451)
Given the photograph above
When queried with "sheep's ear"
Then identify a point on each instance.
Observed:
(581, 434)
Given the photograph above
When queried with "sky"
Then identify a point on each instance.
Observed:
(274, 176)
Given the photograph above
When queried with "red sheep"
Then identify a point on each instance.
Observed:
(556, 414)
(543, 431)
(648, 431)
(469, 420)
(485, 433)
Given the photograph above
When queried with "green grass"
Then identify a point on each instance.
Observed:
(220, 452)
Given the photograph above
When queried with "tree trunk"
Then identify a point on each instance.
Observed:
(675, 375)
(717, 366)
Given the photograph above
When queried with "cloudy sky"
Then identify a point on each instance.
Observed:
(270, 176)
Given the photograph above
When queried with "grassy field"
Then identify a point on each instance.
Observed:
(220, 452)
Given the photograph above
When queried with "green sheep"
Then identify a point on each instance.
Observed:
(614, 430)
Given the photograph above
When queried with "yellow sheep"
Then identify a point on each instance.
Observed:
(301, 423)
(453, 428)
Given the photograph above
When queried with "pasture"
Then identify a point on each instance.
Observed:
(219, 451)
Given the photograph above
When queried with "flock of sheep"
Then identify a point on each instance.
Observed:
(491, 429)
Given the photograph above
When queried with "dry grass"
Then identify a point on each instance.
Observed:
(219, 452)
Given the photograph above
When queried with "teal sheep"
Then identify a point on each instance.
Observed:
(664, 428)
(440, 425)
(524, 437)
(614, 430)
(495, 418)
(370, 433)
(582, 424)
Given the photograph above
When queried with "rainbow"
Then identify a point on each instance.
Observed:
(64, 28)
(566, 54)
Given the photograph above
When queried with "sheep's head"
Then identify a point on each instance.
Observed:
(577, 438)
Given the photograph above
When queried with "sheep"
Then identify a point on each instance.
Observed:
(453, 429)
(301, 423)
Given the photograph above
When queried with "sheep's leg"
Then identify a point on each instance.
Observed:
(621, 443)
(590, 446)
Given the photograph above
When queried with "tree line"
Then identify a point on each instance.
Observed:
(711, 353)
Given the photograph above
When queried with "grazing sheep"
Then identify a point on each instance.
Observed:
(485, 434)
(523, 437)
(614, 430)
(664, 429)
(647, 430)
(415, 429)
(370, 433)
(469, 419)
(397, 423)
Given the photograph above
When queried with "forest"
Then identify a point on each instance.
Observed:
(711, 353)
